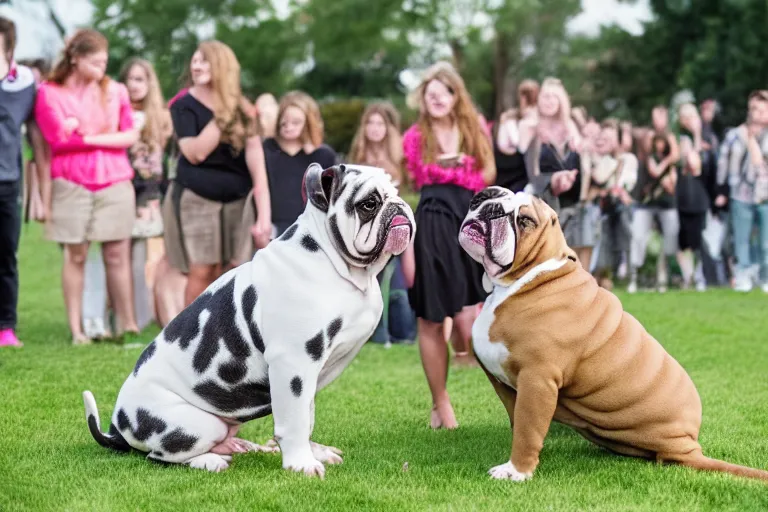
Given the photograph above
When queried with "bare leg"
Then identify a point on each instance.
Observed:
(168, 289)
(585, 257)
(447, 329)
(685, 260)
(117, 260)
(434, 358)
(462, 335)
(72, 280)
(199, 278)
(662, 277)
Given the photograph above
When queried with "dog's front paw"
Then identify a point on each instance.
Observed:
(327, 454)
(309, 466)
(209, 462)
(507, 471)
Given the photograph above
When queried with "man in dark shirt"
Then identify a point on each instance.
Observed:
(17, 100)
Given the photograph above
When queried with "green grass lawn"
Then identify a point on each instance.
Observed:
(377, 412)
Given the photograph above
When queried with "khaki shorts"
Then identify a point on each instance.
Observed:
(209, 232)
(79, 215)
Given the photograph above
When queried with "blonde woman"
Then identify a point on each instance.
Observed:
(297, 144)
(153, 121)
(449, 158)
(555, 168)
(221, 163)
(378, 141)
(692, 197)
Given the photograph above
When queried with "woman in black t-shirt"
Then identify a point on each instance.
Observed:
(510, 162)
(221, 161)
(693, 200)
(297, 144)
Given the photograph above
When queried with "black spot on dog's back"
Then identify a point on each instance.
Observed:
(247, 395)
(146, 424)
(146, 354)
(186, 325)
(221, 325)
(178, 441)
(206, 351)
(288, 234)
(249, 306)
(333, 329)
(314, 347)
(310, 243)
(296, 386)
(233, 371)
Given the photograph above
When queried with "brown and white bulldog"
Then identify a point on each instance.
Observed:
(558, 347)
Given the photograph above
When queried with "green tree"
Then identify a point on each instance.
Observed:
(496, 43)
(167, 32)
(714, 48)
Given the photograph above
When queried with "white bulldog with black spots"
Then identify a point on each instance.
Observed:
(266, 336)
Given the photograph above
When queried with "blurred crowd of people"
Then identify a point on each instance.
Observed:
(178, 192)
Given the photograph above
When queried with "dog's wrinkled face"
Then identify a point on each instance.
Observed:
(365, 217)
(506, 232)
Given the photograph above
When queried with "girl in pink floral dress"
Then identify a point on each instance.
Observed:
(449, 158)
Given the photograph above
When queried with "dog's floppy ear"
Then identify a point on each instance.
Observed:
(320, 183)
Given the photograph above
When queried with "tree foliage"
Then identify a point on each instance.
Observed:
(714, 48)
(358, 48)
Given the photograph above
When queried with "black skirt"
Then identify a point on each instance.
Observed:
(447, 279)
(691, 230)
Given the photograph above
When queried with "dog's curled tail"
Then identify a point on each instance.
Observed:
(113, 439)
(705, 463)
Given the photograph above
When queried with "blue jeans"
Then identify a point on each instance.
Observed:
(398, 321)
(743, 218)
(400, 324)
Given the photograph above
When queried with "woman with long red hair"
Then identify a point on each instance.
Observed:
(86, 118)
(221, 163)
(449, 158)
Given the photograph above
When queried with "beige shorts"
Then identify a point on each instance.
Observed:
(79, 215)
(209, 232)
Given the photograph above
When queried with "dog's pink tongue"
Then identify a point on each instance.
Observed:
(399, 236)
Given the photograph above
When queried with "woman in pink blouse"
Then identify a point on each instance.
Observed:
(449, 158)
(87, 121)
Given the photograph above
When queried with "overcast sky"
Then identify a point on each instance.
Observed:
(36, 39)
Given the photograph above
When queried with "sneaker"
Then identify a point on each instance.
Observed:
(662, 288)
(388, 344)
(743, 284)
(622, 272)
(764, 287)
(8, 339)
(94, 328)
(632, 288)
(701, 286)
